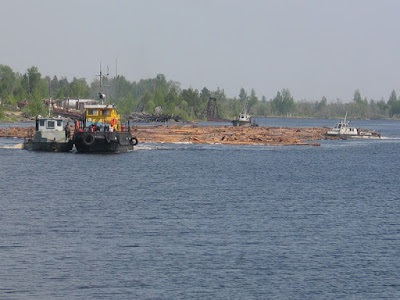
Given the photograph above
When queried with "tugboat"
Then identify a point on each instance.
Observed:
(243, 119)
(343, 130)
(52, 134)
(100, 130)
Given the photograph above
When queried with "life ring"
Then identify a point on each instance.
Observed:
(53, 146)
(88, 139)
(133, 141)
(112, 122)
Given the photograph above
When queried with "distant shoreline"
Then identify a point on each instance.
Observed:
(16, 117)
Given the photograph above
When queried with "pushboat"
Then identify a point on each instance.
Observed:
(343, 130)
(52, 134)
(101, 131)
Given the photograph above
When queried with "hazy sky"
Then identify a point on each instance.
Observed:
(314, 48)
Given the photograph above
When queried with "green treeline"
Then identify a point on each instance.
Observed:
(159, 95)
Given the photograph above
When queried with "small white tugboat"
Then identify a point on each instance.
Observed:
(343, 130)
(243, 119)
(52, 134)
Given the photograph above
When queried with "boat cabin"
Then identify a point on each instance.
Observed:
(244, 117)
(102, 115)
(50, 124)
(341, 125)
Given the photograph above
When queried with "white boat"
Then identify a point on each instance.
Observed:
(243, 119)
(343, 130)
(52, 134)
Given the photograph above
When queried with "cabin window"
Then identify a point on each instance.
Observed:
(59, 123)
(105, 113)
(50, 124)
(41, 122)
(92, 112)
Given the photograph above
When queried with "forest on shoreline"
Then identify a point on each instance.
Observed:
(161, 96)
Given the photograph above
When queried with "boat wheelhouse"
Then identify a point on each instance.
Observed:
(242, 120)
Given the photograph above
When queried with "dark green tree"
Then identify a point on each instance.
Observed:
(36, 90)
(357, 96)
(189, 102)
(240, 105)
(122, 88)
(382, 107)
(62, 88)
(8, 84)
(393, 104)
(172, 100)
(37, 87)
(78, 88)
(253, 99)
(283, 103)
(277, 104)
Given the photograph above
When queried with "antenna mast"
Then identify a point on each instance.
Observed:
(101, 94)
(100, 78)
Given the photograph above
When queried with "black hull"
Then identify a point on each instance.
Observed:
(241, 123)
(48, 146)
(104, 142)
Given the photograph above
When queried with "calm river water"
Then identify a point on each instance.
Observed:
(204, 221)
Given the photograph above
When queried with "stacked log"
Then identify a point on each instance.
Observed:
(230, 135)
(18, 132)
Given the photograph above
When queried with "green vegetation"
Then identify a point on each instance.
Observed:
(162, 96)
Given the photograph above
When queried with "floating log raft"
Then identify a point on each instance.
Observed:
(230, 135)
(274, 136)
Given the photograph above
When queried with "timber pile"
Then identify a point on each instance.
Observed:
(275, 136)
(230, 135)
(19, 132)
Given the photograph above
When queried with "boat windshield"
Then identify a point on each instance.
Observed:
(50, 124)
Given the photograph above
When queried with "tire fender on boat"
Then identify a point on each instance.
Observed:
(88, 139)
(133, 141)
(53, 145)
(107, 137)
